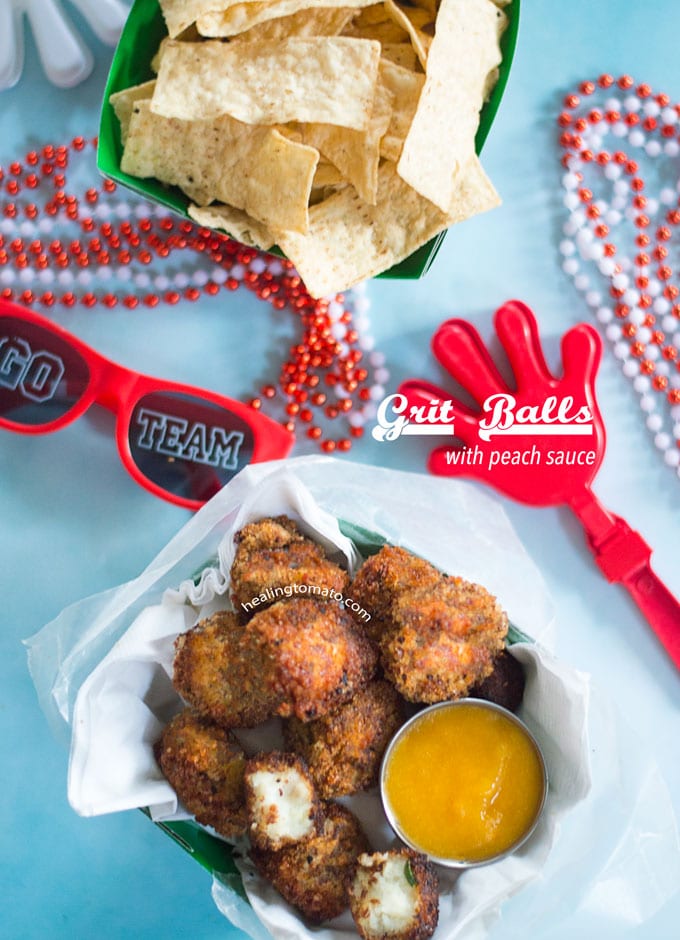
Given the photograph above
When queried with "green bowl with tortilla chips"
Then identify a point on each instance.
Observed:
(344, 138)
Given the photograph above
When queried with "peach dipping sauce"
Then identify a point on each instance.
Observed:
(464, 782)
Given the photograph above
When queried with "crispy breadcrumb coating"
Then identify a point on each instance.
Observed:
(394, 896)
(444, 639)
(299, 657)
(218, 673)
(204, 764)
(315, 656)
(344, 748)
(281, 802)
(314, 875)
(272, 555)
(505, 685)
(383, 578)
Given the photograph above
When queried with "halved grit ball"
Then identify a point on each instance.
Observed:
(314, 875)
(394, 896)
(281, 803)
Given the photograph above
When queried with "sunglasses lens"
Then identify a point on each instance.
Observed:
(187, 445)
(41, 376)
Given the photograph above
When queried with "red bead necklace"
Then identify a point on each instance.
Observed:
(328, 373)
(613, 133)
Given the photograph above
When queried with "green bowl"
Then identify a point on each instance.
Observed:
(139, 41)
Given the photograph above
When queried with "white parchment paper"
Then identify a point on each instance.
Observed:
(104, 668)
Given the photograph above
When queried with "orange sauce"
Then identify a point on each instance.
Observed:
(464, 783)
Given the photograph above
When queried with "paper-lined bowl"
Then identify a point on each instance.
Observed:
(127, 698)
(141, 36)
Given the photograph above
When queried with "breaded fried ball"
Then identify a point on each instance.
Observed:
(314, 875)
(383, 578)
(218, 674)
(272, 555)
(204, 765)
(394, 896)
(505, 685)
(444, 639)
(343, 749)
(281, 802)
(315, 656)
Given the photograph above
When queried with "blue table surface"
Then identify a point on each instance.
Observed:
(73, 523)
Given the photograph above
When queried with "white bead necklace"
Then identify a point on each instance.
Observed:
(612, 130)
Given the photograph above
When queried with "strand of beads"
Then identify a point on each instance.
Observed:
(327, 374)
(91, 247)
(619, 231)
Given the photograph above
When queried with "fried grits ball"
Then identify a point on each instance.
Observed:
(280, 800)
(444, 639)
(383, 578)
(343, 749)
(273, 555)
(217, 673)
(314, 875)
(204, 764)
(394, 896)
(505, 685)
(314, 656)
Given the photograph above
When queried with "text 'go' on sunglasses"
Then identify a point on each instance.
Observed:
(180, 442)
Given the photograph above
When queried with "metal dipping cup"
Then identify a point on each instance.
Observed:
(394, 822)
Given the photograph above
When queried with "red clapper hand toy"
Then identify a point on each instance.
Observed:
(542, 442)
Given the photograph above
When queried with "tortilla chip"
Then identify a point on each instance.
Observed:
(355, 153)
(327, 174)
(254, 169)
(431, 5)
(235, 223)
(155, 63)
(401, 53)
(417, 16)
(243, 15)
(419, 40)
(384, 32)
(326, 21)
(492, 77)
(188, 35)
(123, 104)
(372, 15)
(324, 80)
(405, 87)
(441, 140)
(349, 241)
(179, 14)
(327, 180)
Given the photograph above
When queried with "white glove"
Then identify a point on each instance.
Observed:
(65, 59)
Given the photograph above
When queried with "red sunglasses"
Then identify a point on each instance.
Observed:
(179, 442)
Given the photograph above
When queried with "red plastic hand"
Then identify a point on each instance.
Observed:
(540, 442)
(512, 445)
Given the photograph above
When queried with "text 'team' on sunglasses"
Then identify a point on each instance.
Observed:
(179, 442)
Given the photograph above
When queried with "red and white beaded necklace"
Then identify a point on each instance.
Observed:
(65, 244)
(613, 133)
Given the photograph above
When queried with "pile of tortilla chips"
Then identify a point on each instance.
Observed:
(340, 130)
